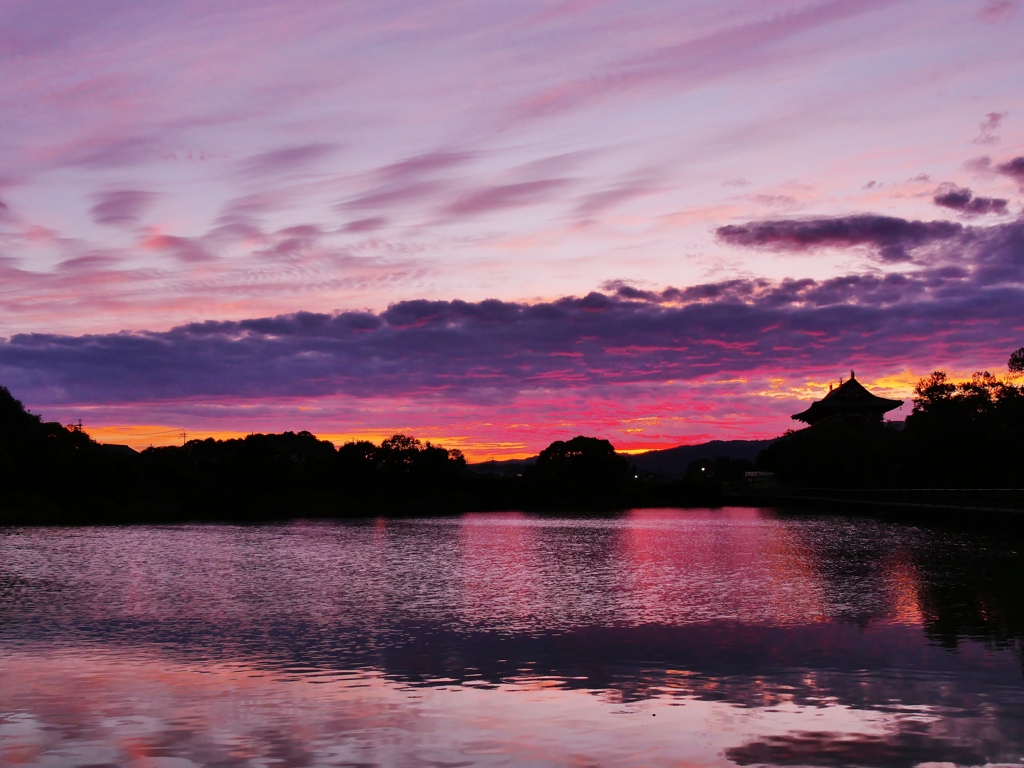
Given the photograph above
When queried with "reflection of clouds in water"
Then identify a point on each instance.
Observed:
(903, 747)
(503, 573)
(903, 590)
(731, 565)
(510, 637)
(148, 710)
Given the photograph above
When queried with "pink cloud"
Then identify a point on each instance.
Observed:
(994, 11)
(988, 129)
(693, 62)
(186, 249)
(496, 198)
(490, 352)
(325, 157)
(286, 160)
(121, 207)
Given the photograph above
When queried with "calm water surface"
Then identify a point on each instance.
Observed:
(697, 638)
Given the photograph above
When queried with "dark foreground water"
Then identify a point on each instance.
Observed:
(656, 638)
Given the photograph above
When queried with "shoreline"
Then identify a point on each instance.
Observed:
(940, 506)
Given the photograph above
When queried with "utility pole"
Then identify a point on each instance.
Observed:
(184, 437)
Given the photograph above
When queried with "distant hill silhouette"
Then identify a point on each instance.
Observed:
(505, 466)
(674, 461)
(667, 462)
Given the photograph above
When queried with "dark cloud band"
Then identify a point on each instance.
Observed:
(893, 238)
(966, 302)
(963, 200)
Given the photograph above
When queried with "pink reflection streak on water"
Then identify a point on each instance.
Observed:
(143, 710)
(510, 572)
(136, 705)
(743, 570)
(502, 571)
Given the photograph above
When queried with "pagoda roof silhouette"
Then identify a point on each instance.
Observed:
(850, 400)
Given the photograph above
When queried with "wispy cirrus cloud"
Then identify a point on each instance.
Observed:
(988, 129)
(112, 152)
(369, 224)
(420, 165)
(121, 207)
(186, 249)
(421, 177)
(394, 195)
(501, 196)
(637, 185)
(240, 262)
(691, 63)
(995, 11)
(287, 159)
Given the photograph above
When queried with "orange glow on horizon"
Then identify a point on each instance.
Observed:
(142, 436)
(676, 414)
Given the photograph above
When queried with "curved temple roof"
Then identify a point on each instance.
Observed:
(849, 399)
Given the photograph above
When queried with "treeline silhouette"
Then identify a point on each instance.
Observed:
(53, 473)
(967, 434)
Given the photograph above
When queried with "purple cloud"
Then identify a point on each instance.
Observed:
(693, 62)
(420, 165)
(186, 249)
(504, 196)
(32, 28)
(987, 129)
(365, 225)
(630, 189)
(893, 238)
(396, 194)
(114, 152)
(120, 208)
(472, 350)
(990, 255)
(287, 159)
(1013, 168)
(407, 181)
(476, 351)
(963, 200)
(994, 11)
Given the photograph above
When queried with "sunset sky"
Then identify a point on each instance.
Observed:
(496, 224)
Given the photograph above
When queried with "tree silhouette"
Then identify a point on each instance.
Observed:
(1016, 362)
(584, 472)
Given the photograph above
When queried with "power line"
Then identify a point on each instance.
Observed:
(138, 434)
(114, 431)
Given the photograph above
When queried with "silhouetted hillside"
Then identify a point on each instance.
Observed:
(503, 467)
(668, 462)
(673, 462)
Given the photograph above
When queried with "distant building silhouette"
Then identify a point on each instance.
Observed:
(850, 400)
(116, 448)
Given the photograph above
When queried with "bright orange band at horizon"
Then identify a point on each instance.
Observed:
(630, 438)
